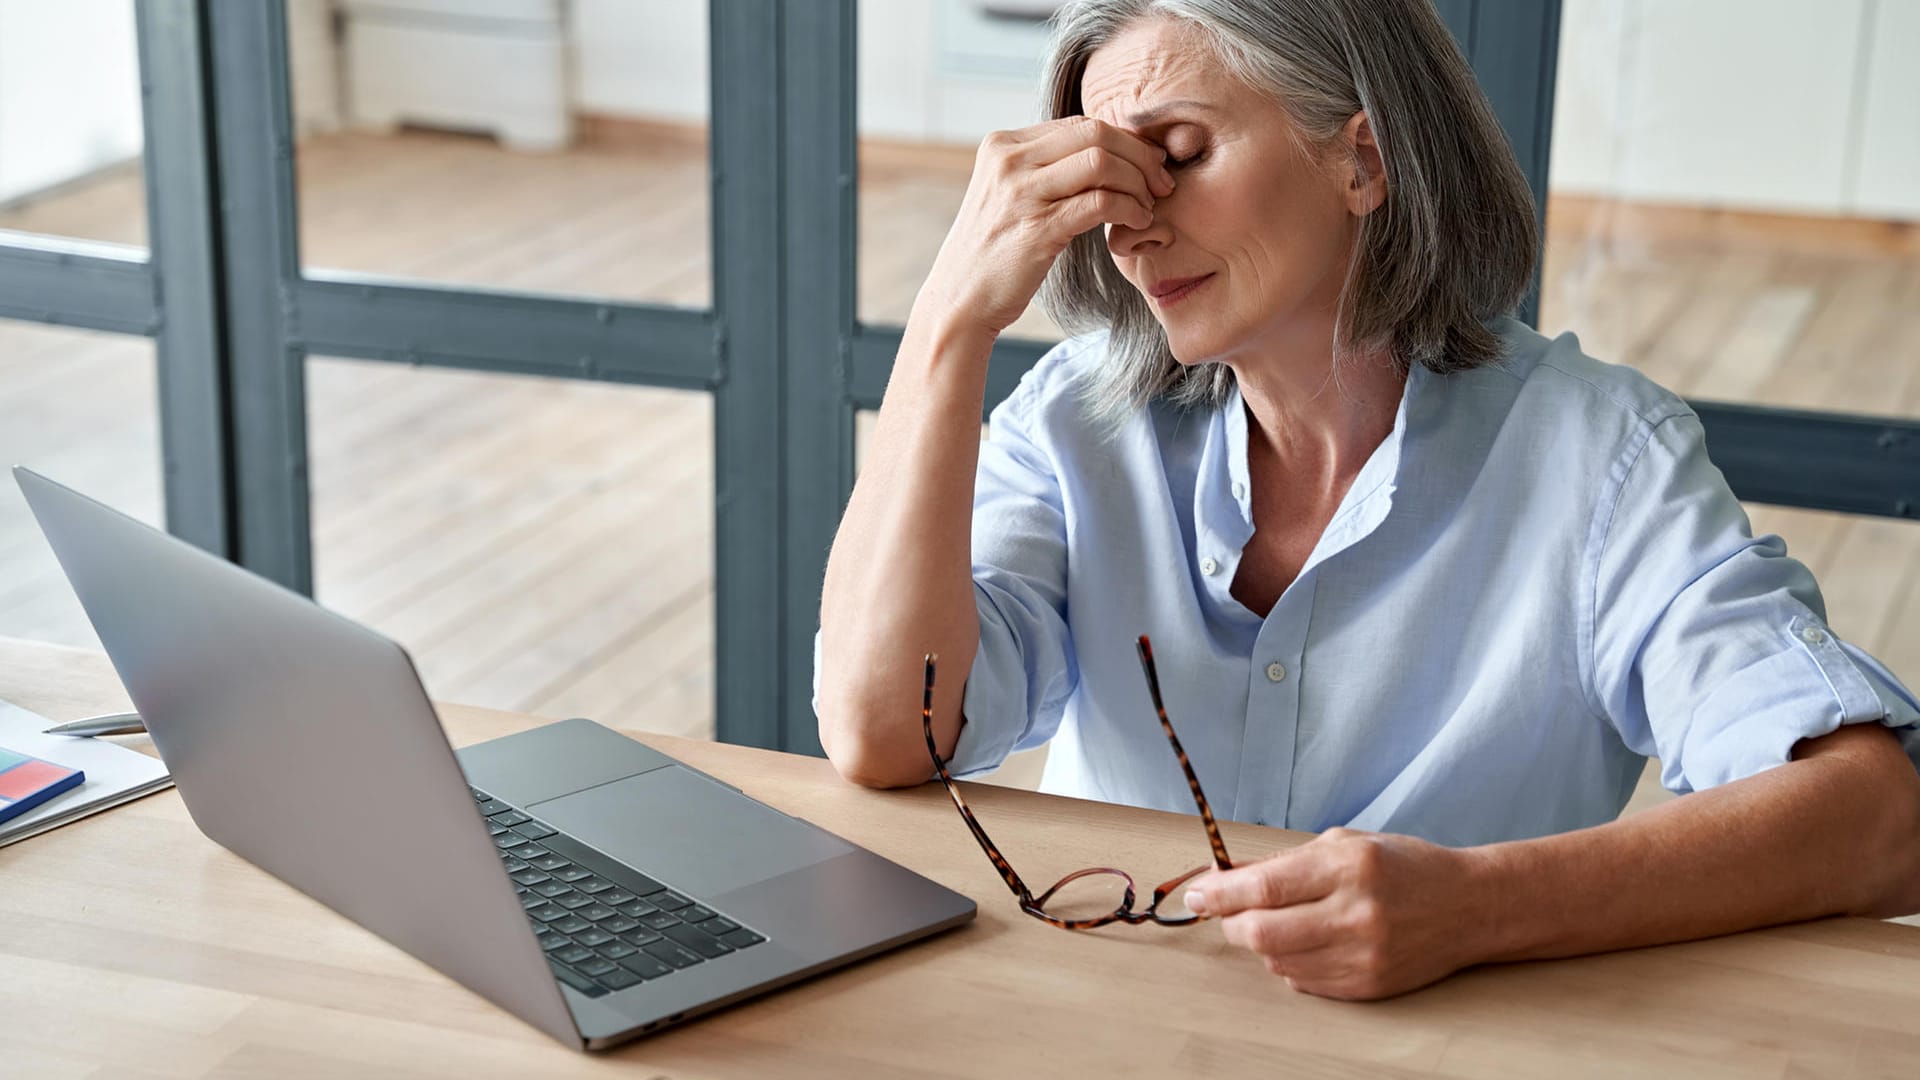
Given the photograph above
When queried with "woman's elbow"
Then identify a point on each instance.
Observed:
(862, 756)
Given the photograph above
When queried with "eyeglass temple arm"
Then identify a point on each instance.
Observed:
(999, 861)
(1220, 858)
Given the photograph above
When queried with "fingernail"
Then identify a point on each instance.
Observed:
(1196, 902)
(1165, 176)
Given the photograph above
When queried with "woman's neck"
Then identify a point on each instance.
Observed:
(1320, 430)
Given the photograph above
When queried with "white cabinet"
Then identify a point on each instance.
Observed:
(1791, 106)
(493, 65)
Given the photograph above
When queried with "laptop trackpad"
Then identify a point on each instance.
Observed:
(689, 831)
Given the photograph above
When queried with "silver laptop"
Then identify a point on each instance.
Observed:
(593, 887)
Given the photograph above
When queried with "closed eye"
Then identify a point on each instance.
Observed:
(1181, 163)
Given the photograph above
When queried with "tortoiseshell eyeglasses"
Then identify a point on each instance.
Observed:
(1077, 898)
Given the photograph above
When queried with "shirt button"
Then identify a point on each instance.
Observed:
(1276, 671)
(1813, 635)
(1239, 489)
(1209, 566)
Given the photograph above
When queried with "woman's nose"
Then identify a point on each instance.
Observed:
(1125, 240)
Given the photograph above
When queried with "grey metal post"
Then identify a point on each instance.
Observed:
(62, 282)
(819, 61)
(1514, 47)
(747, 208)
(183, 222)
(258, 235)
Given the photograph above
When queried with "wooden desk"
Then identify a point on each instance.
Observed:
(132, 945)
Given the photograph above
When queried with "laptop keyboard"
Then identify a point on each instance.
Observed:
(603, 926)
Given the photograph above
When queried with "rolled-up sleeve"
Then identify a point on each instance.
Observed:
(1710, 647)
(1024, 670)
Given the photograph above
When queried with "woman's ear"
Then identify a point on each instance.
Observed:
(1367, 186)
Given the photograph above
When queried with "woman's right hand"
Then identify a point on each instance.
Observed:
(1033, 190)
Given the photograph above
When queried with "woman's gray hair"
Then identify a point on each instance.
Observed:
(1451, 249)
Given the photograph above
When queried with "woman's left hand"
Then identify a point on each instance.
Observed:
(1354, 915)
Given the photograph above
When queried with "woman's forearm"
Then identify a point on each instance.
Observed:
(1836, 831)
(899, 579)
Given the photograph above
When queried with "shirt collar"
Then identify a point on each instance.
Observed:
(1228, 513)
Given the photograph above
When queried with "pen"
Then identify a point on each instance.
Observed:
(114, 724)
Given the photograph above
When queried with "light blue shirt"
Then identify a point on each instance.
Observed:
(1536, 581)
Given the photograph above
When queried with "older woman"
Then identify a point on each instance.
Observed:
(1418, 577)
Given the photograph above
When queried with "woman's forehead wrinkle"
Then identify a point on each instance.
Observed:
(1127, 77)
(1104, 95)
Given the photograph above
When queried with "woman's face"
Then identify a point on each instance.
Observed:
(1260, 230)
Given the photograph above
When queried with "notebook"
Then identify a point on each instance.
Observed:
(110, 774)
(26, 782)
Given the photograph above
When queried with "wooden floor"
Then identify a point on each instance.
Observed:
(547, 546)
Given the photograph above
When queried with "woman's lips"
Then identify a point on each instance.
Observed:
(1174, 290)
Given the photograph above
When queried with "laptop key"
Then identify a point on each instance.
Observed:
(671, 901)
(645, 966)
(718, 925)
(496, 830)
(616, 950)
(671, 953)
(635, 909)
(492, 806)
(478, 795)
(530, 852)
(698, 940)
(617, 979)
(592, 884)
(619, 924)
(639, 937)
(530, 876)
(641, 884)
(596, 912)
(576, 980)
(508, 818)
(572, 873)
(694, 914)
(572, 924)
(573, 900)
(512, 864)
(594, 937)
(616, 897)
(659, 920)
(551, 889)
(547, 913)
(550, 942)
(532, 900)
(595, 966)
(509, 840)
(533, 830)
(549, 862)
(573, 953)
(742, 938)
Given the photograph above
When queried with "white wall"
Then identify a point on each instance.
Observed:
(1886, 178)
(1794, 106)
(69, 90)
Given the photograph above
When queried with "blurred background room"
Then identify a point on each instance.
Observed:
(1733, 191)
